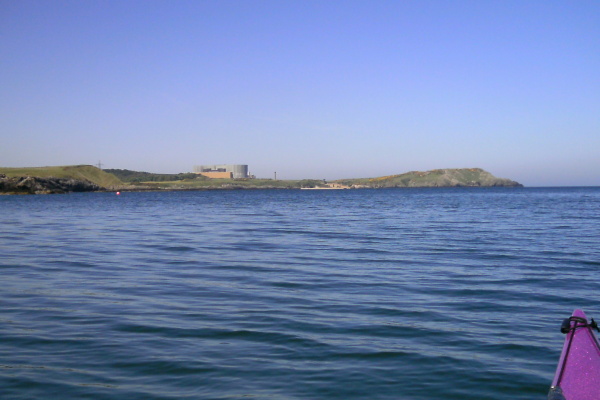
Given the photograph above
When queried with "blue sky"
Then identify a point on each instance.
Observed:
(310, 89)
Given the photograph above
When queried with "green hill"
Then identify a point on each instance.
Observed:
(460, 177)
(129, 176)
(78, 172)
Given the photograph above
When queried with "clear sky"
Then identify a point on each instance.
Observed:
(310, 89)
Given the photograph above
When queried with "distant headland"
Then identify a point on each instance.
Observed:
(88, 178)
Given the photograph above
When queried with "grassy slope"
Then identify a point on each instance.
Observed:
(79, 172)
(129, 176)
(229, 184)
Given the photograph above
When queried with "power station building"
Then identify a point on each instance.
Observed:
(227, 171)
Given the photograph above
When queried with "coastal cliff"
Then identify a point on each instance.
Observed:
(49, 185)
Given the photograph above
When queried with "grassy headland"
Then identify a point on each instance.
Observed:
(458, 177)
(78, 172)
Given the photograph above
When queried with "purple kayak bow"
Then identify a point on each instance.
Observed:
(578, 373)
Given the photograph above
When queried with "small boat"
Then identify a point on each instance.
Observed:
(578, 373)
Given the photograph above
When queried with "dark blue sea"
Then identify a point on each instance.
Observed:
(293, 294)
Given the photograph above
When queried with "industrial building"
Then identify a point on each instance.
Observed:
(227, 171)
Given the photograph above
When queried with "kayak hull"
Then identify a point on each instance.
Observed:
(578, 373)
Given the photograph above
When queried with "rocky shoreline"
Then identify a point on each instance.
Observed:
(50, 185)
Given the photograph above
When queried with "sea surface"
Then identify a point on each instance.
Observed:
(293, 294)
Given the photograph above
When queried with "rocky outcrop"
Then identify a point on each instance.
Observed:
(50, 185)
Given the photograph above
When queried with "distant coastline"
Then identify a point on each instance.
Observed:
(87, 178)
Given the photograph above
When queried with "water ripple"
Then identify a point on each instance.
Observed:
(418, 294)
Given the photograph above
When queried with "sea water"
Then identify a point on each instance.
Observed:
(293, 294)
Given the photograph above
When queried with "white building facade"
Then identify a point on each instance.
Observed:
(238, 171)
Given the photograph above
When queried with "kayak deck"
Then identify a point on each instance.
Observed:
(578, 373)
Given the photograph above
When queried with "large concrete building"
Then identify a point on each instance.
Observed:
(230, 171)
